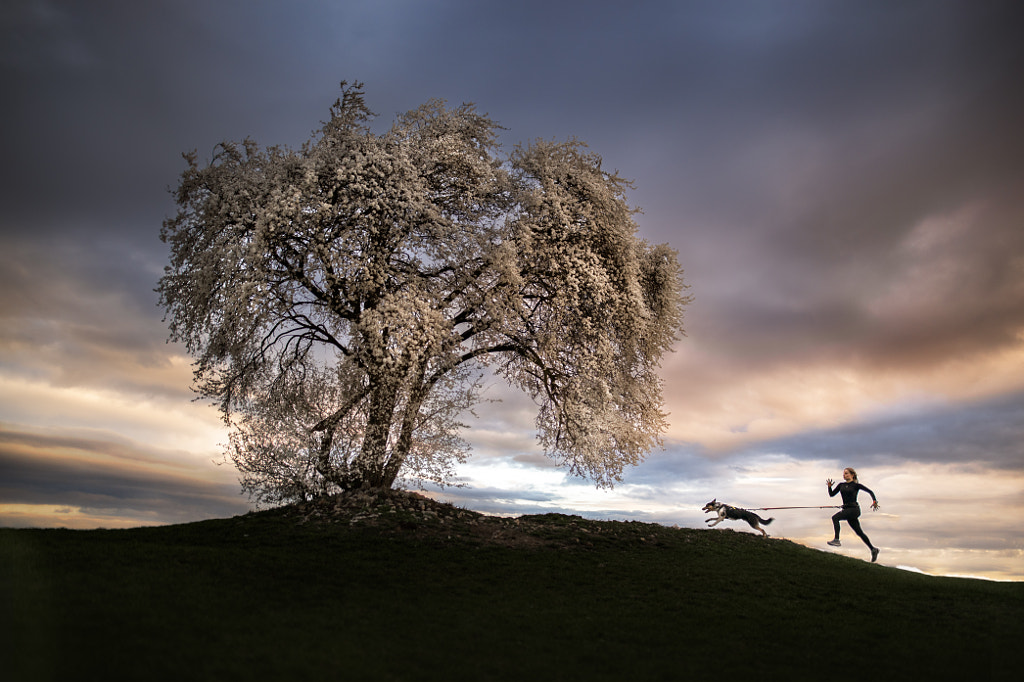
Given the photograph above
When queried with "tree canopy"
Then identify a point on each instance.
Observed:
(342, 300)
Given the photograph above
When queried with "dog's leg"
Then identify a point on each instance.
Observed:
(756, 526)
(753, 524)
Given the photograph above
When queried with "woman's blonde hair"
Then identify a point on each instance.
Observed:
(853, 472)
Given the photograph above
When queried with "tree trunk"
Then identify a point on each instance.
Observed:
(419, 390)
(369, 468)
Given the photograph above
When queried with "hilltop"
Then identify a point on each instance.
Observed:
(399, 587)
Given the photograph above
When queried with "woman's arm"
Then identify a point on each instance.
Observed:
(874, 500)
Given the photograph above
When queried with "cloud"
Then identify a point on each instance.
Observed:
(82, 313)
(105, 475)
(41, 32)
(987, 433)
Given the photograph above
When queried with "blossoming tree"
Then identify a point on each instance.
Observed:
(341, 301)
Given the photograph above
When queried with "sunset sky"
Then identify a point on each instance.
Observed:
(843, 181)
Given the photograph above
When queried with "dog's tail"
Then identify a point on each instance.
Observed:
(765, 521)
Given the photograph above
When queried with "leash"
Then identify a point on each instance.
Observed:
(829, 506)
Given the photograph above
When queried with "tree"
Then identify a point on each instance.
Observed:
(341, 301)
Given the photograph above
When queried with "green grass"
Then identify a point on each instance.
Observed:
(403, 596)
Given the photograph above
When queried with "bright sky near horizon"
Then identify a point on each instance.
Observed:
(844, 183)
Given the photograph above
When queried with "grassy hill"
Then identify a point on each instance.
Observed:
(397, 587)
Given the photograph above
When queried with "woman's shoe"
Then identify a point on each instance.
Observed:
(834, 543)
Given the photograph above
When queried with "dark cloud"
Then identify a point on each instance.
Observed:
(677, 462)
(83, 313)
(109, 476)
(829, 137)
(985, 434)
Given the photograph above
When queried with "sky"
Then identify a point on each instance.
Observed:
(843, 182)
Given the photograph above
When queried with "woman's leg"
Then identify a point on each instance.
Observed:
(836, 518)
(855, 525)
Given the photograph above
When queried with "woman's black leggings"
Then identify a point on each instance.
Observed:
(852, 516)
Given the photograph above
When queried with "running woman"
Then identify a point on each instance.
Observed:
(851, 510)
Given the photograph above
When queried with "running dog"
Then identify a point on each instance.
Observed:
(724, 512)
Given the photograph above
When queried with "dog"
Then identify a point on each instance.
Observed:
(724, 512)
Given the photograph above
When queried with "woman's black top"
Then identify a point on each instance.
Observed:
(849, 492)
